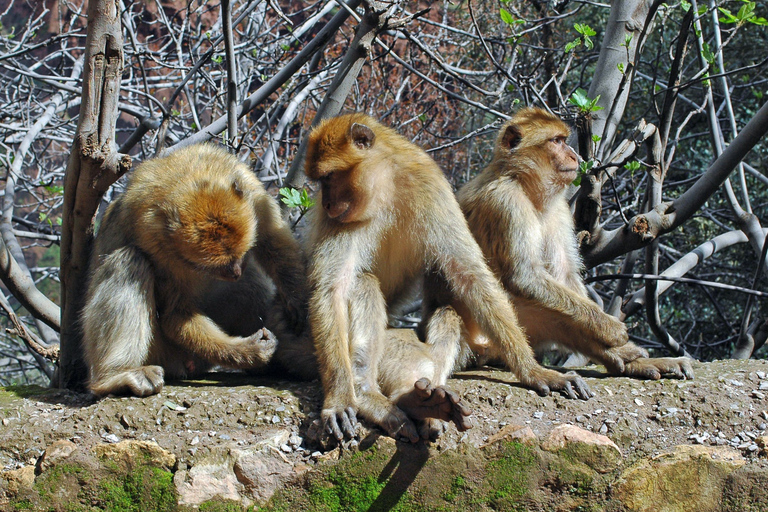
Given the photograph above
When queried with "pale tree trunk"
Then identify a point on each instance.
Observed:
(628, 18)
(94, 164)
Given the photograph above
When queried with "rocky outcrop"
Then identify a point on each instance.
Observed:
(637, 446)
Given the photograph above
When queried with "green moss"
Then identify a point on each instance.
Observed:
(511, 476)
(24, 391)
(457, 485)
(222, 506)
(142, 490)
(23, 504)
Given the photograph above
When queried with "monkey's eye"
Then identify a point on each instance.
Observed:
(558, 140)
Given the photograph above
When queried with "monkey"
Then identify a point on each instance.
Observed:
(386, 220)
(189, 266)
(517, 211)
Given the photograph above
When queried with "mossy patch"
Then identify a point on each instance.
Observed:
(511, 476)
(145, 489)
(74, 488)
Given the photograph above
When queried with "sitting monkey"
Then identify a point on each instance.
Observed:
(185, 273)
(518, 213)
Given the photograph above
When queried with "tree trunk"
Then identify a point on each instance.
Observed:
(94, 164)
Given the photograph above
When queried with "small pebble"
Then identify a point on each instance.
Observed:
(111, 438)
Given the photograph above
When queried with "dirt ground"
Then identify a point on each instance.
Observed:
(725, 405)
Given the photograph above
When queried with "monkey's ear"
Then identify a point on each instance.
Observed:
(361, 136)
(512, 136)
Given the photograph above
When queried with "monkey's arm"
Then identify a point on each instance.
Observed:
(186, 325)
(333, 272)
(280, 255)
(453, 251)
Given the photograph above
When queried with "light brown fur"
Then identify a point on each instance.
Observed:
(388, 216)
(185, 271)
(518, 213)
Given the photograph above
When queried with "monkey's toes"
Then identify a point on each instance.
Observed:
(431, 429)
(656, 368)
(397, 424)
(145, 381)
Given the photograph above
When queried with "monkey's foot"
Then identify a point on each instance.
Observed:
(340, 422)
(544, 381)
(658, 367)
(261, 346)
(432, 405)
(142, 381)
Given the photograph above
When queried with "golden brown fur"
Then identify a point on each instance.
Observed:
(387, 218)
(518, 213)
(185, 271)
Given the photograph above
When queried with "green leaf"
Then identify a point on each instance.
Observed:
(707, 53)
(620, 65)
(685, 5)
(632, 166)
(579, 99)
(584, 29)
(506, 17)
(729, 17)
(573, 44)
(218, 59)
(596, 138)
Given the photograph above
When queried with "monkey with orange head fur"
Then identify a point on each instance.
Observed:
(386, 221)
(517, 211)
(189, 266)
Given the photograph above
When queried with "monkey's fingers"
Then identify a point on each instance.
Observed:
(570, 384)
(339, 423)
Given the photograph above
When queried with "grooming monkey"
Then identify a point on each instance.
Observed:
(189, 265)
(518, 213)
(386, 218)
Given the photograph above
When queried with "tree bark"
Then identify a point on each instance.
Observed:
(94, 164)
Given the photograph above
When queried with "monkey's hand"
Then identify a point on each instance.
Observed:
(656, 368)
(340, 422)
(544, 381)
(259, 347)
(434, 405)
(609, 330)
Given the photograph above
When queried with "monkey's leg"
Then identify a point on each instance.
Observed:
(118, 325)
(544, 326)
(412, 374)
(199, 334)
(367, 326)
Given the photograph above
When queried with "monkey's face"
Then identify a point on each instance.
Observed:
(336, 158)
(565, 161)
